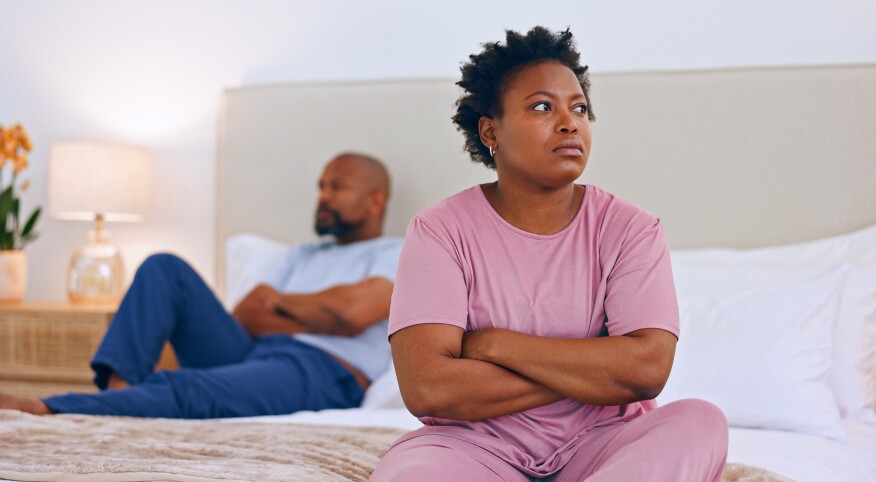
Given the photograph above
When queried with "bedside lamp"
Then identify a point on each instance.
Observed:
(98, 182)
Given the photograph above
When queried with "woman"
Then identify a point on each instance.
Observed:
(533, 319)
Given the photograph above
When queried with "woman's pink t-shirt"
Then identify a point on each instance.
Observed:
(607, 272)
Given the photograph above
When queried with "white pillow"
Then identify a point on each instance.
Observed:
(249, 260)
(817, 255)
(384, 392)
(853, 376)
(763, 357)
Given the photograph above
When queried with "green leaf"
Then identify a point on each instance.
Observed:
(15, 212)
(28, 226)
(5, 204)
(25, 240)
(7, 241)
(5, 207)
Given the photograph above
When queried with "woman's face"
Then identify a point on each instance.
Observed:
(543, 136)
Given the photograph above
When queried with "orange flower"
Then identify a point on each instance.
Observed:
(19, 163)
(9, 149)
(11, 140)
(10, 143)
(25, 142)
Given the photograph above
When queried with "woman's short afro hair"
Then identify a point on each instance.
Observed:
(483, 79)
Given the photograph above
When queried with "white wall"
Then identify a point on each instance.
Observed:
(151, 73)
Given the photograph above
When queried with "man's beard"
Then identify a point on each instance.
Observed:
(337, 228)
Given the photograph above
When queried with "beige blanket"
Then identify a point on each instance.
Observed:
(79, 448)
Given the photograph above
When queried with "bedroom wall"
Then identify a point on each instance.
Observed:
(151, 74)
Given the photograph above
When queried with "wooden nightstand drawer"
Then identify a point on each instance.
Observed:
(56, 346)
(46, 348)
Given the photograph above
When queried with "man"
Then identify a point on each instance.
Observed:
(311, 338)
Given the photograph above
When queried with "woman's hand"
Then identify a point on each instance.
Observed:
(477, 345)
(436, 380)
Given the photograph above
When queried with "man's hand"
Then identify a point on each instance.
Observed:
(258, 313)
(342, 310)
(266, 295)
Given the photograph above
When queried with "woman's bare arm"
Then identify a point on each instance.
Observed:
(610, 370)
(436, 382)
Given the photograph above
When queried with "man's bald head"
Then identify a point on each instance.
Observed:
(353, 193)
(373, 172)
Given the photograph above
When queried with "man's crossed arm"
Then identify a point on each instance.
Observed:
(344, 310)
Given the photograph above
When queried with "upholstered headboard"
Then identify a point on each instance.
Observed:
(732, 158)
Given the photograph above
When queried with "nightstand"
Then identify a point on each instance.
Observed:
(46, 347)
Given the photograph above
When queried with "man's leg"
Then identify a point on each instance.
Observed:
(683, 440)
(168, 301)
(282, 376)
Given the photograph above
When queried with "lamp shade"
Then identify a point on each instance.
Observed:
(87, 178)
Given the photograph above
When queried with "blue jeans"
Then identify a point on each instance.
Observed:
(224, 371)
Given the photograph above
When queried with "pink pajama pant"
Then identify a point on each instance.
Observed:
(681, 441)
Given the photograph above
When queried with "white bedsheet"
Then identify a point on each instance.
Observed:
(359, 417)
(809, 458)
(804, 458)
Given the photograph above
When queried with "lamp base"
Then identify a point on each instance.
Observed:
(96, 274)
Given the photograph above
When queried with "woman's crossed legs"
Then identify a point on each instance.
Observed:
(683, 440)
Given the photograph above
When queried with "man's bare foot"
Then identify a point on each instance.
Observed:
(116, 382)
(27, 405)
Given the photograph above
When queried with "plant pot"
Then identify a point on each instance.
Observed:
(13, 275)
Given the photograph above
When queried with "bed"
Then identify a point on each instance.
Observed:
(764, 179)
(733, 161)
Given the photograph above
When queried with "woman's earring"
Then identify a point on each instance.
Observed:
(492, 152)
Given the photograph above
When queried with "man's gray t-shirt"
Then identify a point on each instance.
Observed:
(316, 266)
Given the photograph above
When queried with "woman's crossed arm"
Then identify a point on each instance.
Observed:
(445, 373)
